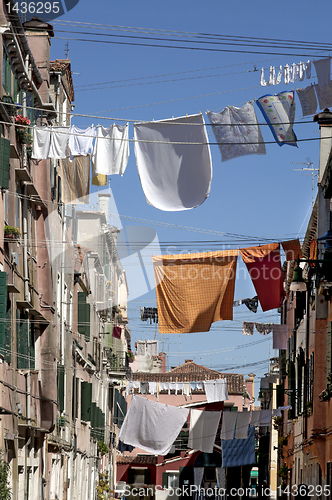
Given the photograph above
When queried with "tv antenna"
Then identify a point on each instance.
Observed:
(308, 168)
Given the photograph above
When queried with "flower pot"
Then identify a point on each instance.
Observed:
(21, 136)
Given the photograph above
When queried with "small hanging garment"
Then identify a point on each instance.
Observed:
(279, 113)
(152, 426)
(203, 430)
(237, 132)
(264, 267)
(286, 74)
(308, 100)
(308, 69)
(263, 328)
(81, 141)
(116, 332)
(194, 290)
(111, 150)
(248, 328)
(263, 82)
(174, 162)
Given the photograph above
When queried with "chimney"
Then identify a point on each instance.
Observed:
(104, 199)
(188, 360)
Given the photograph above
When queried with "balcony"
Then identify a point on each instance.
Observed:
(116, 363)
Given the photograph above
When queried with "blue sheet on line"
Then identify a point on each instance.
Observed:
(236, 452)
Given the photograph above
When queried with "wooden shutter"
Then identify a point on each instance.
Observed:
(4, 162)
(3, 311)
(75, 398)
(61, 387)
(83, 316)
(22, 338)
(86, 394)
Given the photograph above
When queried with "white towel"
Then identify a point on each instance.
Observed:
(136, 384)
(81, 140)
(178, 387)
(308, 100)
(203, 429)
(242, 424)
(186, 389)
(266, 416)
(152, 426)
(216, 390)
(174, 176)
(152, 387)
(41, 142)
(59, 142)
(323, 70)
(111, 150)
(255, 418)
(228, 424)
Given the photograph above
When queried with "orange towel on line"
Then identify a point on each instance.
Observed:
(194, 290)
(292, 249)
(264, 267)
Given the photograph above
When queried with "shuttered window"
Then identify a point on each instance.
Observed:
(86, 395)
(61, 387)
(5, 319)
(4, 162)
(83, 316)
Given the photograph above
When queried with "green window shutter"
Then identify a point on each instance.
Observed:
(8, 336)
(32, 346)
(83, 316)
(328, 353)
(22, 334)
(3, 311)
(234, 408)
(165, 480)
(61, 387)
(75, 413)
(93, 419)
(4, 162)
(86, 393)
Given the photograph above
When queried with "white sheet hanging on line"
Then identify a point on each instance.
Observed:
(237, 132)
(59, 142)
(242, 425)
(111, 150)
(228, 424)
(216, 390)
(152, 426)
(203, 429)
(41, 142)
(174, 162)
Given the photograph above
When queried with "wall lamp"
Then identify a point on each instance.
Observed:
(298, 284)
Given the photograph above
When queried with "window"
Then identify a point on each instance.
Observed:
(139, 475)
(86, 395)
(83, 313)
(61, 387)
(4, 163)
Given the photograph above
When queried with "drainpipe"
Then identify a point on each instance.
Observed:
(25, 245)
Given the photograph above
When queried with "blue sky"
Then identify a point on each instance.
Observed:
(258, 196)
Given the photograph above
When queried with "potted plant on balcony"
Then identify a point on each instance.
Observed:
(130, 357)
(22, 132)
(12, 233)
(9, 104)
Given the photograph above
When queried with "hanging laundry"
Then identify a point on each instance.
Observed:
(324, 95)
(130, 388)
(41, 143)
(150, 313)
(264, 267)
(152, 387)
(301, 71)
(292, 249)
(263, 328)
(216, 390)
(125, 447)
(221, 477)
(111, 150)
(278, 412)
(228, 424)
(266, 417)
(248, 328)
(279, 77)
(308, 69)
(252, 304)
(178, 387)
(143, 388)
(323, 71)
(255, 418)
(174, 162)
(76, 179)
(242, 425)
(194, 290)
(293, 73)
(308, 100)
(263, 81)
(239, 452)
(193, 386)
(203, 430)
(280, 336)
(199, 385)
(81, 141)
(186, 389)
(286, 74)
(273, 78)
(117, 332)
(152, 426)
(59, 142)
(279, 113)
(136, 384)
(237, 132)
